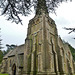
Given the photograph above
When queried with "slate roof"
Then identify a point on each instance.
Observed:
(18, 50)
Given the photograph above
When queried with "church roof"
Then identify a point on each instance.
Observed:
(6, 56)
(17, 50)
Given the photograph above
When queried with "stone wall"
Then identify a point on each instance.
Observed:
(43, 53)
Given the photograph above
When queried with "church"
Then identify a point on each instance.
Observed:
(43, 52)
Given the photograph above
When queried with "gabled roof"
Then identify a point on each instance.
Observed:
(18, 50)
(6, 56)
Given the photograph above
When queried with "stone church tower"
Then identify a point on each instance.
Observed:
(41, 48)
(43, 53)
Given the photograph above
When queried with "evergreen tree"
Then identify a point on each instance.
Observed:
(0, 40)
(72, 51)
(9, 47)
(13, 8)
(71, 30)
(1, 56)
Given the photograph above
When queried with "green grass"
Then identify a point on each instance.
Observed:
(7, 74)
(3, 74)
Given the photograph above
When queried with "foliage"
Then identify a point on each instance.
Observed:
(1, 56)
(9, 47)
(15, 8)
(3, 74)
(0, 40)
(72, 50)
(4, 52)
(71, 30)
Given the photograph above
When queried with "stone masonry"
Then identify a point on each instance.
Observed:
(43, 53)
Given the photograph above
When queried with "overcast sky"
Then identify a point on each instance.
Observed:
(16, 34)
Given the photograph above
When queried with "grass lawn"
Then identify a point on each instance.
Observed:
(7, 74)
(3, 74)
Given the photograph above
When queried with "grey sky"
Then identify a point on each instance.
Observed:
(16, 34)
(66, 18)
